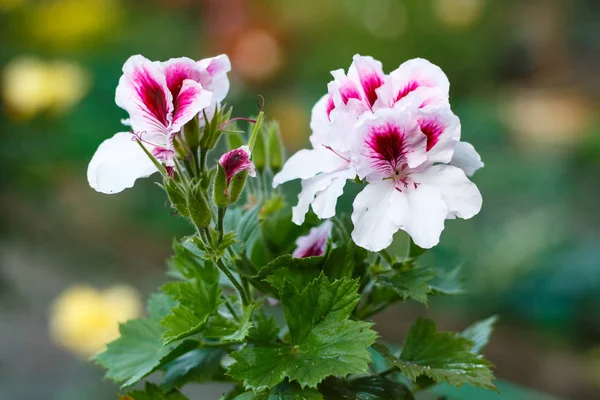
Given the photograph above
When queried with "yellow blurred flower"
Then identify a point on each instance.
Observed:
(31, 85)
(67, 23)
(83, 319)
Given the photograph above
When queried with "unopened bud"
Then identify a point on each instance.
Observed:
(177, 197)
(198, 207)
(259, 153)
(191, 133)
(234, 168)
(275, 147)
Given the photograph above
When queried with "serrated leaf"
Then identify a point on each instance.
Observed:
(226, 329)
(265, 331)
(324, 340)
(298, 271)
(448, 282)
(198, 300)
(189, 262)
(409, 282)
(442, 356)
(342, 261)
(479, 333)
(139, 350)
(372, 387)
(199, 365)
(283, 391)
(153, 392)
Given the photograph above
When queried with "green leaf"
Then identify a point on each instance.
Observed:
(409, 282)
(199, 365)
(479, 333)
(324, 340)
(298, 271)
(283, 391)
(442, 356)
(416, 282)
(448, 282)
(265, 331)
(153, 392)
(372, 387)
(342, 261)
(190, 263)
(139, 350)
(226, 329)
(198, 300)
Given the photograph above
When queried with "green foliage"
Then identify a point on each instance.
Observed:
(479, 333)
(442, 356)
(213, 324)
(140, 350)
(198, 365)
(197, 300)
(373, 387)
(153, 392)
(324, 341)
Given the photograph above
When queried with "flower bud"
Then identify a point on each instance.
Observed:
(191, 133)
(220, 193)
(197, 204)
(213, 128)
(177, 197)
(259, 153)
(275, 147)
(181, 150)
(234, 167)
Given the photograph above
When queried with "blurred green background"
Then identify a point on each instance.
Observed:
(525, 83)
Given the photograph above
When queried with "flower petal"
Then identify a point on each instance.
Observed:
(427, 212)
(322, 191)
(191, 99)
(215, 78)
(143, 93)
(461, 196)
(466, 158)
(417, 73)
(319, 121)
(177, 70)
(368, 73)
(117, 163)
(442, 129)
(379, 211)
(386, 143)
(315, 243)
(308, 163)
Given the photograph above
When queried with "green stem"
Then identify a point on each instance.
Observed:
(255, 131)
(238, 286)
(202, 159)
(231, 309)
(220, 220)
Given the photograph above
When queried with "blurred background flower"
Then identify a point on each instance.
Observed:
(525, 84)
(83, 319)
(32, 86)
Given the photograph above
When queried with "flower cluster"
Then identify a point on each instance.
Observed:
(281, 310)
(160, 98)
(397, 133)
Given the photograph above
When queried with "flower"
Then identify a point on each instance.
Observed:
(398, 133)
(160, 97)
(315, 243)
(236, 161)
(407, 189)
(83, 319)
